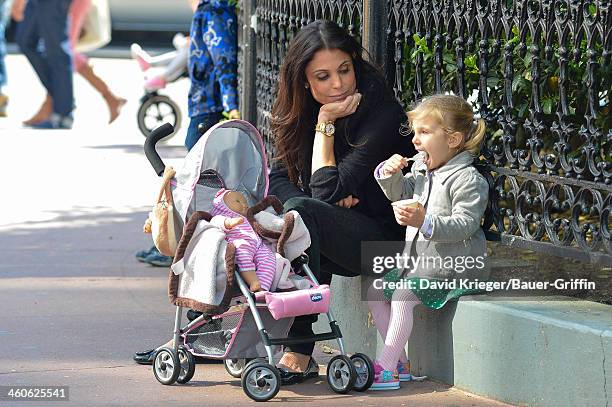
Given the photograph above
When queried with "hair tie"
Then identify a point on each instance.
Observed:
(472, 131)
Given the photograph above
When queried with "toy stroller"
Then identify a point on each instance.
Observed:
(156, 109)
(244, 329)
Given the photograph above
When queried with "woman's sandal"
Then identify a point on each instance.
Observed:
(288, 377)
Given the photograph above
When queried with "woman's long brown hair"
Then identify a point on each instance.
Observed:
(295, 110)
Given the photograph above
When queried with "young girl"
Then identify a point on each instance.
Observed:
(443, 234)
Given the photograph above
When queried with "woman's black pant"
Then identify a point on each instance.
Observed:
(336, 234)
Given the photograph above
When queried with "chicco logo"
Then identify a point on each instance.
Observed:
(316, 297)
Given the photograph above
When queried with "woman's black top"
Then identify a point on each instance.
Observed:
(362, 141)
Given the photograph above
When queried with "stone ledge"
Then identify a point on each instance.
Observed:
(541, 352)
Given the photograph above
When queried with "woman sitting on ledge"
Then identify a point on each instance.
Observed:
(333, 121)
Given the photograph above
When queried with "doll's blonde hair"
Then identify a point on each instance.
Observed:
(456, 115)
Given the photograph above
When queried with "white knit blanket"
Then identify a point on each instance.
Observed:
(202, 267)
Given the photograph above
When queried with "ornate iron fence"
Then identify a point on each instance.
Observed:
(538, 72)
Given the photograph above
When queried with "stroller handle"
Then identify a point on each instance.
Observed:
(149, 147)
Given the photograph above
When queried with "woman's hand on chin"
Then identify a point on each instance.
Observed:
(330, 112)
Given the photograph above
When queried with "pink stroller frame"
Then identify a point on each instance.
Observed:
(234, 151)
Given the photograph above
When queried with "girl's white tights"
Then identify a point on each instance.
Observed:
(394, 322)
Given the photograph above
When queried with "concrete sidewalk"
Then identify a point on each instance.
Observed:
(75, 302)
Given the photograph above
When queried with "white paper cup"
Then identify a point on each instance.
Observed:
(412, 202)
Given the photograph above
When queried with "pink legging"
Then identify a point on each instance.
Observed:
(394, 322)
(76, 16)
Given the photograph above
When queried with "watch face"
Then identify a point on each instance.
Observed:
(329, 128)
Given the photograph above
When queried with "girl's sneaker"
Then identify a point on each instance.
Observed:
(384, 379)
(403, 371)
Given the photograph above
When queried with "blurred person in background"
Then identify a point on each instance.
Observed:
(76, 17)
(213, 65)
(42, 37)
(5, 12)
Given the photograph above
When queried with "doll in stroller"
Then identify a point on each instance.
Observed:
(243, 328)
(161, 70)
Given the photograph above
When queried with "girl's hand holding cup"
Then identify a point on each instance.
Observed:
(409, 212)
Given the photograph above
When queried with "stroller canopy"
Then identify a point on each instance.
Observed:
(232, 155)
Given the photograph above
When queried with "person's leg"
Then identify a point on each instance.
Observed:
(400, 326)
(192, 132)
(206, 121)
(5, 9)
(77, 14)
(76, 17)
(43, 113)
(4, 13)
(53, 23)
(27, 38)
(113, 102)
(380, 308)
(337, 234)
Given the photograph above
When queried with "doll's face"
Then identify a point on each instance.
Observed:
(236, 202)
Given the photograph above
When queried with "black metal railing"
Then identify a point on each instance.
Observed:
(539, 73)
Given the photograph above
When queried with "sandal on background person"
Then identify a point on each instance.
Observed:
(145, 357)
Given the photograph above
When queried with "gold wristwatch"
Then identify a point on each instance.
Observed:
(326, 128)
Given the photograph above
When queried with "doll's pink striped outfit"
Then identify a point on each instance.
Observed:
(251, 252)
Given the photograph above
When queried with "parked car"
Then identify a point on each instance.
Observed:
(150, 15)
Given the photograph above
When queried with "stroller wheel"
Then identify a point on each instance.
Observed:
(256, 360)
(187, 362)
(261, 381)
(365, 371)
(166, 366)
(235, 367)
(156, 110)
(341, 374)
